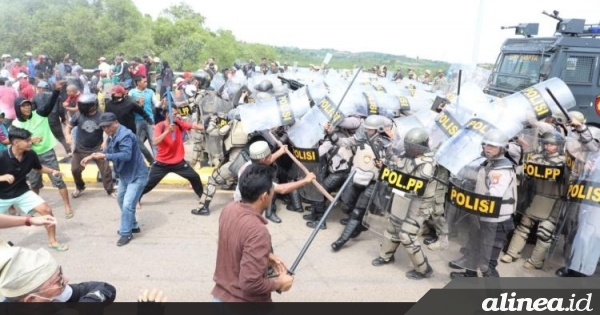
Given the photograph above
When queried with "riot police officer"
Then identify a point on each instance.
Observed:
(416, 160)
(226, 172)
(545, 204)
(333, 169)
(495, 177)
(357, 195)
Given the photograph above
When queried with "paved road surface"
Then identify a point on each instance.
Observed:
(176, 251)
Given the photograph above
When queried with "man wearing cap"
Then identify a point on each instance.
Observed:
(15, 165)
(260, 153)
(35, 276)
(104, 67)
(439, 82)
(36, 121)
(25, 88)
(122, 149)
(8, 63)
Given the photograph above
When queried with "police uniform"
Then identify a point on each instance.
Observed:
(495, 177)
(419, 210)
(335, 166)
(355, 198)
(544, 205)
(235, 141)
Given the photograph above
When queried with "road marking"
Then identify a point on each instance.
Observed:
(184, 190)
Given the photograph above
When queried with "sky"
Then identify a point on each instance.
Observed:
(464, 31)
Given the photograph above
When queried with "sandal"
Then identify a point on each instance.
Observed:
(59, 247)
(77, 193)
(69, 215)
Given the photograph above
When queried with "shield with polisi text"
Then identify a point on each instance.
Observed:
(267, 114)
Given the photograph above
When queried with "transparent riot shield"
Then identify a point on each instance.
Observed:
(581, 250)
(300, 102)
(402, 125)
(267, 114)
(308, 131)
(180, 100)
(471, 217)
(544, 171)
(217, 81)
(309, 157)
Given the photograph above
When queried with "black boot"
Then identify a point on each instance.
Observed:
(271, 215)
(202, 210)
(430, 240)
(467, 274)
(415, 275)
(313, 224)
(295, 203)
(344, 221)
(348, 230)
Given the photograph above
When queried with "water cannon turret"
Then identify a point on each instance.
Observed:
(525, 29)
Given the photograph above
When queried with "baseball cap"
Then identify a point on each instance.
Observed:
(107, 119)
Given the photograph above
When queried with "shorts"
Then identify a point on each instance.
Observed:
(34, 177)
(26, 202)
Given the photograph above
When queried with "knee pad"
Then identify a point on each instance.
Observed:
(409, 243)
(525, 225)
(218, 177)
(410, 227)
(545, 231)
(357, 213)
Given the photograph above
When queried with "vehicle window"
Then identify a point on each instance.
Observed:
(579, 69)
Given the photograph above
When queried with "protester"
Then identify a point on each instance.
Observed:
(244, 244)
(122, 149)
(15, 165)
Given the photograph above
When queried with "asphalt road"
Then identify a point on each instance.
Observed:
(176, 251)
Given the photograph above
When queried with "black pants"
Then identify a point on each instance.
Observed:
(486, 243)
(159, 170)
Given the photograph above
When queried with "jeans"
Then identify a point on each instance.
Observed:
(143, 132)
(127, 198)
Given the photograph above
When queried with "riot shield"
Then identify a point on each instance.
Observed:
(471, 216)
(309, 157)
(545, 170)
(396, 199)
(582, 239)
(465, 145)
(180, 100)
(308, 131)
(300, 102)
(267, 114)
(217, 81)
(402, 125)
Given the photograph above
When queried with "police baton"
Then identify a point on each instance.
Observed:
(303, 168)
(562, 109)
(170, 106)
(318, 227)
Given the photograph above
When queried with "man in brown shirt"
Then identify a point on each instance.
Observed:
(244, 245)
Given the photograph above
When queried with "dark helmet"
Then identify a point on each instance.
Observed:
(416, 142)
(553, 137)
(264, 86)
(203, 79)
(87, 103)
(238, 65)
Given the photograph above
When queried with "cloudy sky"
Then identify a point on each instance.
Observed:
(453, 31)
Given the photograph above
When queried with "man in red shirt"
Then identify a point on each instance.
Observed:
(171, 153)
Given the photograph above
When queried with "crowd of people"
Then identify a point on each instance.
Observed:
(355, 151)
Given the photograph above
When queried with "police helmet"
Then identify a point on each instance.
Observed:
(553, 137)
(264, 86)
(416, 142)
(417, 136)
(87, 103)
(375, 122)
(495, 137)
(577, 115)
(190, 90)
(203, 79)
